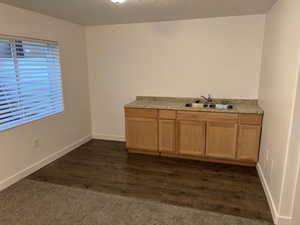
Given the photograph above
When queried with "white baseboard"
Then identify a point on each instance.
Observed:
(283, 220)
(108, 137)
(38, 165)
(268, 194)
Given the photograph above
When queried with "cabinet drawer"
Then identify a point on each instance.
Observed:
(222, 117)
(254, 119)
(141, 113)
(167, 114)
(207, 116)
(192, 116)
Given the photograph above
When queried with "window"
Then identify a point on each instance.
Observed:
(30, 81)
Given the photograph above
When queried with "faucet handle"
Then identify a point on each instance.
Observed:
(210, 98)
(207, 99)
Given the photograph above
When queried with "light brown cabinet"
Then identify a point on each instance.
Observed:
(142, 133)
(211, 136)
(167, 136)
(221, 141)
(248, 142)
(191, 137)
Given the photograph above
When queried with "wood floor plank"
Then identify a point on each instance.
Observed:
(105, 166)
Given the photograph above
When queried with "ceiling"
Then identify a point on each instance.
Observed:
(100, 12)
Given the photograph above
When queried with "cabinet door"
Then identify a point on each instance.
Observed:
(221, 140)
(191, 137)
(248, 142)
(142, 133)
(167, 135)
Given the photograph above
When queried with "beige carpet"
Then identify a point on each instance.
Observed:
(38, 203)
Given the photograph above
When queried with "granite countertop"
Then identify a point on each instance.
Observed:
(172, 103)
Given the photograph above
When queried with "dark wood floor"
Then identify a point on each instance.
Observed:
(105, 166)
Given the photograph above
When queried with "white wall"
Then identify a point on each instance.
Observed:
(280, 66)
(220, 56)
(292, 159)
(55, 132)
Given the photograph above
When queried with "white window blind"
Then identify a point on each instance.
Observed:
(30, 81)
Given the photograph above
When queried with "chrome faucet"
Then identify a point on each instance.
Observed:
(208, 99)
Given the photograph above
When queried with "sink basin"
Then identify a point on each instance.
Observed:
(197, 105)
(209, 106)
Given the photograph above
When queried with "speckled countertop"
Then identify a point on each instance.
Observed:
(172, 103)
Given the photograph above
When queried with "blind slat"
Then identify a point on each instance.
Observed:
(25, 60)
(27, 78)
(37, 94)
(27, 73)
(30, 108)
(22, 82)
(31, 56)
(29, 50)
(27, 39)
(16, 92)
(27, 100)
(41, 45)
(26, 64)
(28, 69)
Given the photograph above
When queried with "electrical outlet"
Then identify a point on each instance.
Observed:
(36, 143)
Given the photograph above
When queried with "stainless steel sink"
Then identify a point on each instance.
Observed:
(209, 106)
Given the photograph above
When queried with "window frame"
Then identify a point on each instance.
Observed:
(48, 109)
